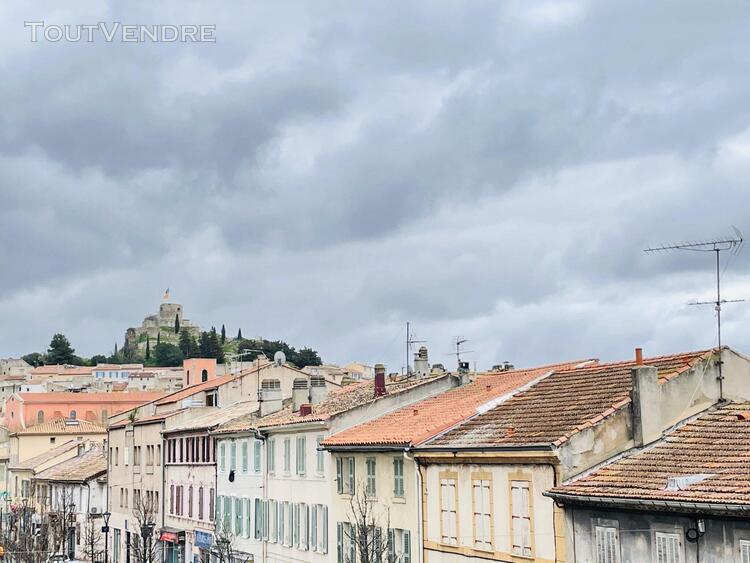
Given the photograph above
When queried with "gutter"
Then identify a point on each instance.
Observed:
(650, 504)
(426, 450)
(420, 516)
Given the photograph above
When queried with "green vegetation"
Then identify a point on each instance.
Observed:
(167, 355)
(210, 347)
(302, 358)
(223, 335)
(188, 345)
(177, 324)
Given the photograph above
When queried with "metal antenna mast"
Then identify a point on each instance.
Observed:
(460, 342)
(732, 244)
(409, 341)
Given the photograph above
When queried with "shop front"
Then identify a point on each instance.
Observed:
(173, 545)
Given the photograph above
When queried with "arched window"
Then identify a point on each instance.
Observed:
(72, 415)
(204, 375)
(40, 417)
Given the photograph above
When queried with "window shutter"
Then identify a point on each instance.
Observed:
(391, 546)
(745, 551)
(350, 484)
(258, 519)
(340, 475)
(244, 456)
(247, 532)
(256, 456)
(314, 527)
(324, 543)
(339, 542)
(406, 557)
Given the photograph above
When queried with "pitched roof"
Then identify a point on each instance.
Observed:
(145, 420)
(69, 397)
(715, 445)
(63, 426)
(49, 455)
(561, 405)
(215, 416)
(61, 370)
(81, 468)
(338, 401)
(193, 389)
(420, 421)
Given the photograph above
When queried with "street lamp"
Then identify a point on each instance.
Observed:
(105, 530)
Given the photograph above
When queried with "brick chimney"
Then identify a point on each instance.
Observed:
(646, 400)
(380, 380)
(305, 410)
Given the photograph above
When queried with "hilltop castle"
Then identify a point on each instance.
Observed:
(162, 322)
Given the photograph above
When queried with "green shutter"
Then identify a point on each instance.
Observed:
(256, 456)
(407, 547)
(391, 546)
(325, 529)
(244, 456)
(340, 475)
(339, 542)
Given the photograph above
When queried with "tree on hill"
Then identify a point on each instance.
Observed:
(98, 359)
(210, 346)
(223, 335)
(34, 359)
(177, 324)
(148, 348)
(167, 355)
(188, 345)
(305, 357)
(239, 334)
(158, 337)
(60, 351)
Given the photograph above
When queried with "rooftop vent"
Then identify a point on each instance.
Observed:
(305, 410)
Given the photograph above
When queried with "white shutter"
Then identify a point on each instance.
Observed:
(668, 548)
(607, 545)
(745, 551)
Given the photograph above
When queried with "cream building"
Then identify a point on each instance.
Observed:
(484, 479)
(40, 438)
(279, 505)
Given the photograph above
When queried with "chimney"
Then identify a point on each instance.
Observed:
(305, 409)
(646, 401)
(300, 393)
(421, 363)
(318, 389)
(270, 400)
(380, 380)
(639, 356)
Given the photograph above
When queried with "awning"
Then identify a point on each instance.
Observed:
(171, 537)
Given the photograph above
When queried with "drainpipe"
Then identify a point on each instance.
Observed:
(418, 473)
(264, 467)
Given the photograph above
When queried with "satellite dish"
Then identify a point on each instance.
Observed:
(280, 358)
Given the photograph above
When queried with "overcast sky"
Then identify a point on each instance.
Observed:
(326, 171)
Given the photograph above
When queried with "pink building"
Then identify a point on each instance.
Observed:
(27, 409)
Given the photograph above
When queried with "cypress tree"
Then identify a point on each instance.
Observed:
(239, 334)
(148, 348)
(223, 334)
(158, 338)
(177, 324)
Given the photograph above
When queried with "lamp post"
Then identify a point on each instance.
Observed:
(105, 530)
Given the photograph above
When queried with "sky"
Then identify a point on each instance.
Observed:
(325, 172)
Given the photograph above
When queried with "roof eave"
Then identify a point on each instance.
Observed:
(650, 504)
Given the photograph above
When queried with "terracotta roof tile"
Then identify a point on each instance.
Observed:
(715, 444)
(68, 397)
(81, 468)
(560, 405)
(63, 426)
(193, 389)
(420, 421)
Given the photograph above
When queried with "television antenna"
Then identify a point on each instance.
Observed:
(409, 341)
(733, 244)
(458, 343)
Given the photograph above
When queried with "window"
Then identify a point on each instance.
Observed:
(204, 376)
(300, 455)
(745, 551)
(190, 501)
(448, 511)
(40, 417)
(320, 460)
(370, 464)
(280, 530)
(399, 546)
(607, 545)
(244, 456)
(319, 528)
(345, 543)
(345, 475)
(232, 455)
(287, 455)
(521, 518)
(171, 499)
(211, 501)
(126, 457)
(222, 461)
(482, 506)
(668, 547)
(256, 455)
(398, 477)
(271, 455)
(72, 415)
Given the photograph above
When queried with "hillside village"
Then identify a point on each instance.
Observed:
(259, 460)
